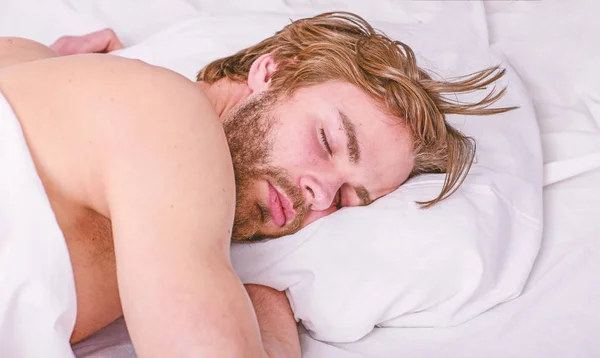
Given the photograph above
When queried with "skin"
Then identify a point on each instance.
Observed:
(159, 174)
(101, 41)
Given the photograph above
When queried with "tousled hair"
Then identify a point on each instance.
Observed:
(341, 46)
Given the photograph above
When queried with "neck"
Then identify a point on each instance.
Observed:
(224, 94)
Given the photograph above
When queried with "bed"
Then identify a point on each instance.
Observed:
(552, 48)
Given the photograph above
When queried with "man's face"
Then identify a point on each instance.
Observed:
(301, 158)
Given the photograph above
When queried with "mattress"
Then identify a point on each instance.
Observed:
(553, 48)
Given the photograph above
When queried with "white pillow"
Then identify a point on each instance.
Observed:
(393, 264)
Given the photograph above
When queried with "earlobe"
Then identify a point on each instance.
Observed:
(261, 71)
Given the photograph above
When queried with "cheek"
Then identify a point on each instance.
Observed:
(295, 150)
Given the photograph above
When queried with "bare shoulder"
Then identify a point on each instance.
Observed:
(131, 101)
(103, 77)
(166, 133)
(128, 78)
(106, 83)
(156, 105)
(160, 124)
(120, 115)
(14, 50)
(168, 161)
(140, 89)
(153, 104)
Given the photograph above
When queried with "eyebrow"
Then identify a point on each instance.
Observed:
(353, 145)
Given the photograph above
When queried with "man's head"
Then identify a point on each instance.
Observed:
(338, 115)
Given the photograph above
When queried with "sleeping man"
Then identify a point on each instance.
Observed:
(150, 175)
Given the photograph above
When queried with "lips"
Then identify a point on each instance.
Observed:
(280, 207)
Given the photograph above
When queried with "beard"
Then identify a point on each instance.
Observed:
(250, 134)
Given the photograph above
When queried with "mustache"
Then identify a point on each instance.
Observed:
(294, 226)
(249, 224)
(292, 192)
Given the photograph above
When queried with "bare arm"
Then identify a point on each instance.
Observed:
(15, 50)
(278, 328)
(101, 41)
(170, 190)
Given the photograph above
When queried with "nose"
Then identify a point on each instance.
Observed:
(319, 194)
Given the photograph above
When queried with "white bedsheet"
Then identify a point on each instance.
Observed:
(557, 316)
(553, 47)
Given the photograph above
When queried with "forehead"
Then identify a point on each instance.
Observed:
(386, 157)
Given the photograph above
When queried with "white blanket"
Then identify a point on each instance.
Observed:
(37, 297)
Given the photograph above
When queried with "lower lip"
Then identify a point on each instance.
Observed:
(275, 207)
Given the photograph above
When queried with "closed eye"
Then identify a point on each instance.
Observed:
(324, 141)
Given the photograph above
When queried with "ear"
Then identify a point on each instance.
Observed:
(260, 74)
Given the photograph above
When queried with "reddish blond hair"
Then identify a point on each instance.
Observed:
(344, 47)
